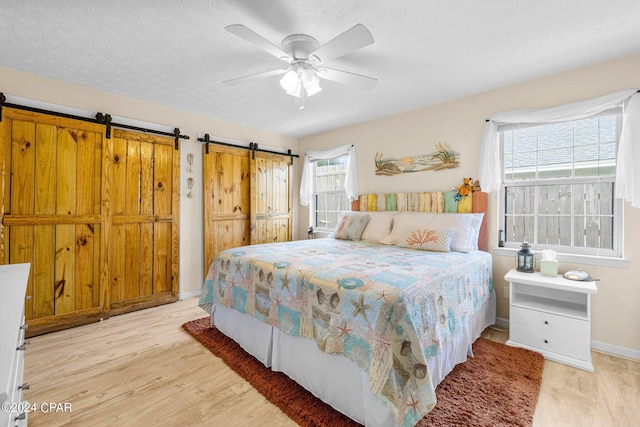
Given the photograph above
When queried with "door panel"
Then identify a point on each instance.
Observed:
(21, 249)
(22, 177)
(97, 218)
(42, 272)
(144, 232)
(247, 199)
(66, 171)
(52, 213)
(271, 198)
(46, 169)
(86, 295)
(65, 270)
(226, 200)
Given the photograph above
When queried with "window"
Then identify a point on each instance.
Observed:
(558, 185)
(329, 195)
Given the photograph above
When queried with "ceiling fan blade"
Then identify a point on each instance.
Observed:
(354, 38)
(251, 77)
(258, 41)
(351, 79)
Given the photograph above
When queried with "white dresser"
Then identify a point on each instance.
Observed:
(13, 285)
(551, 315)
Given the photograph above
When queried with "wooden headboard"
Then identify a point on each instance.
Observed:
(436, 201)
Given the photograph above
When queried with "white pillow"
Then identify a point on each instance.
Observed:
(465, 225)
(379, 225)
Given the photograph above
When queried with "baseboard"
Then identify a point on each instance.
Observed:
(612, 349)
(187, 295)
(502, 323)
(615, 350)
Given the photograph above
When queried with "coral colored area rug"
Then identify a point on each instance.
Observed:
(498, 387)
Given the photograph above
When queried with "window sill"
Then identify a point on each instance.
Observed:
(572, 258)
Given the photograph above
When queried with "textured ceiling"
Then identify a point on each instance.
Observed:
(177, 53)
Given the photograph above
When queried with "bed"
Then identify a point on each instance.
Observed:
(370, 319)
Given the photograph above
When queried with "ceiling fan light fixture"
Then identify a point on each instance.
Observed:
(313, 86)
(290, 81)
(310, 81)
(297, 92)
(298, 77)
(301, 78)
(308, 75)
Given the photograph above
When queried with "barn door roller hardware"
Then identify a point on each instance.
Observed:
(105, 119)
(3, 103)
(253, 146)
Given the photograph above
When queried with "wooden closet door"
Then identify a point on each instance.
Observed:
(226, 200)
(144, 173)
(247, 199)
(270, 198)
(53, 215)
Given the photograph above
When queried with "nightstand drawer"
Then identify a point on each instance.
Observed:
(548, 322)
(550, 342)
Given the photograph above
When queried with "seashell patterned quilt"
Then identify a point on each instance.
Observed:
(386, 308)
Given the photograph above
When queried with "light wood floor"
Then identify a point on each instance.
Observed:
(142, 369)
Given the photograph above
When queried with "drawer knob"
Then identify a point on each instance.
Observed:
(546, 341)
(546, 322)
(24, 386)
(22, 347)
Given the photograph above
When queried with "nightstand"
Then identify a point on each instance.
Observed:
(551, 315)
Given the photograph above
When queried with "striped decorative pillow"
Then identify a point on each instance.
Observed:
(426, 239)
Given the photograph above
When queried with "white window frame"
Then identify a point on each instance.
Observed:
(598, 256)
(313, 205)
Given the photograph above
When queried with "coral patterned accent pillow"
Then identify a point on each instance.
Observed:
(426, 239)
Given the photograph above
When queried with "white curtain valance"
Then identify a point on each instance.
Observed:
(627, 179)
(351, 179)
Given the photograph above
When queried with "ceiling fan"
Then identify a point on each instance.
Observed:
(306, 60)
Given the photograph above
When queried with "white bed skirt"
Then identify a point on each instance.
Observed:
(334, 378)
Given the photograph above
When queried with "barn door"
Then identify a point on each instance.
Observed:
(226, 200)
(270, 198)
(53, 215)
(144, 184)
(247, 199)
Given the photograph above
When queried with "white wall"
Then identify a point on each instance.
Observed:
(459, 123)
(19, 84)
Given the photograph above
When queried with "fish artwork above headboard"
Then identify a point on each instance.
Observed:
(436, 201)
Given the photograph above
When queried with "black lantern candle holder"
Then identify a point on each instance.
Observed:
(525, 259)
(311, 233)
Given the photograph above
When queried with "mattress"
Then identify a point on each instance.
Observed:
(390, 312)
